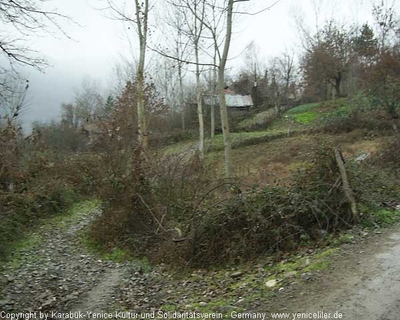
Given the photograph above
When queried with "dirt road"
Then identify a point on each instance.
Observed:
(362, 284)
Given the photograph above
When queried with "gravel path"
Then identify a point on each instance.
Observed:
(58, 273)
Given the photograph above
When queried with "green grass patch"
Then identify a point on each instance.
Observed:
(242, 138)
(113, 254)
(319, 261)
(116, 255)
(342, 112)
(169, 307)
(303, 108)
(71, 215)
(386, 217)
(18, 249)
(306, 117)
(308, 114)
(21, 212)
(304, 114)
(252, 286)
(326, 253)
(317, 266)
(238, 139)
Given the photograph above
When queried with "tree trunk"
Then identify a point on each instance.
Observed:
(142, 25)
(212, 107)
(196, 40)
(181, 100)
(338, 82)
(141, 112)
(199, 99)
(225, 126)
(222, 101)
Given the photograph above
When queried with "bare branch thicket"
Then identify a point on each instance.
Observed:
(22, 20)
(25, 18)
(12, 104)
(192, 14)
(179, 60)
(178, 51)
(310, 36)
(287, 70)
(386, 20)
(195, 31)
(267, 8)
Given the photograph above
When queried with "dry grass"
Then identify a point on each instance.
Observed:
(275, 161)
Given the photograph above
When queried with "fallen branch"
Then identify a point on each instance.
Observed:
(346, 185)
(180, 240)
(160, 226)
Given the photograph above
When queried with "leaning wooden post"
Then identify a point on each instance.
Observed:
(346, 185)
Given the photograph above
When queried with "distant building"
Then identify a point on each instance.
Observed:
(233, 101)
(238, 107)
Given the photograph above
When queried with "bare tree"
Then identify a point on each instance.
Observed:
(123, 71)
(252, 73)
(166, 80)
(14, 102)
(89, 103)
(193, 14)
(141, 21)
(218, 12)
(225, 11)
(196, 33)
(68, 115)
(386, 20)
(21, 20)
(142, 16)
(175, 19)
(275, 87)
(287, 70)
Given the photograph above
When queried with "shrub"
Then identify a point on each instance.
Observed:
(261, 221)
(145, 206)
(20, 212)
(389, 155)
(173, 211)
(33, 185)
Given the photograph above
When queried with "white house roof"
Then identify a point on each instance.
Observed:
(235, 100)
(232, 100)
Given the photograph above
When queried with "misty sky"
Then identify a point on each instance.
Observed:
(99, 43)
